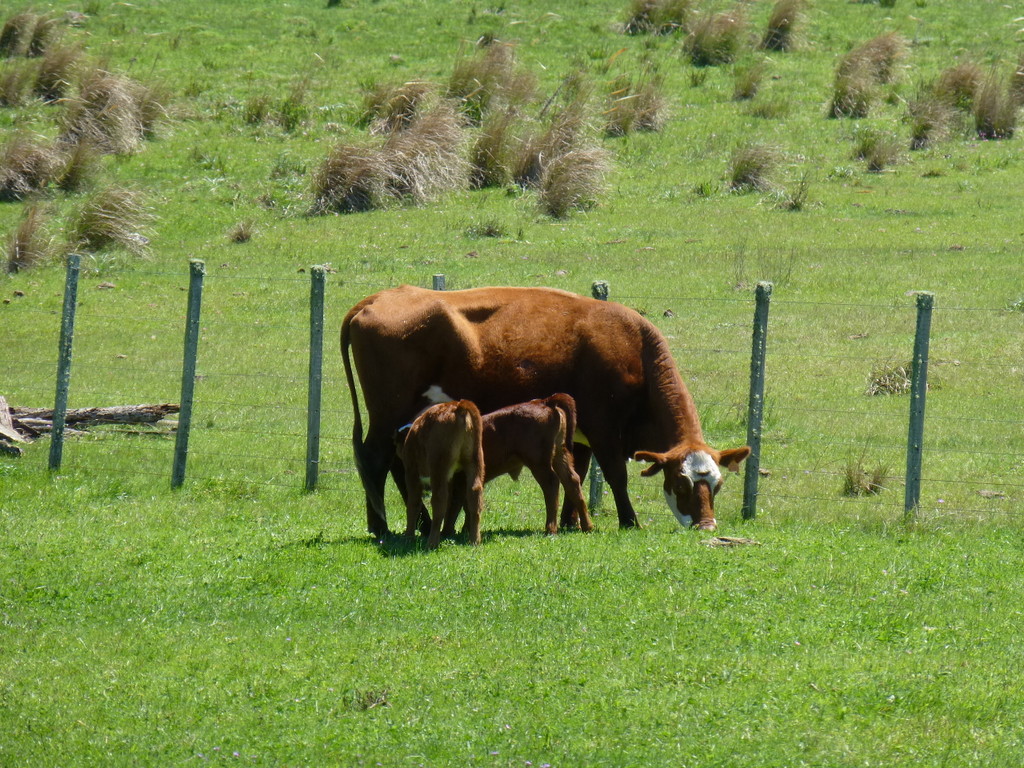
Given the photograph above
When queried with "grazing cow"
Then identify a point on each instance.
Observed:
(536, 435)
(444, 439)
(500, 346)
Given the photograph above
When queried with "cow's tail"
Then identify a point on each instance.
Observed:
(357, 421)
(567, 406)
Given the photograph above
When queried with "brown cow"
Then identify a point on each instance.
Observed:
(536, 435)
(500, 346)
(444, 439)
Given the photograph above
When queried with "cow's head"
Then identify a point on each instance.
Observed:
(692, 478)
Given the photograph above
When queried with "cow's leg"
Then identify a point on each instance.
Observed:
(474, 504)
(398, 475)
(570, 511)
(455, 501)
(614, 469)
(439, 495)
(413, 502)
(570, 481)
(548, 482)
(374, 458)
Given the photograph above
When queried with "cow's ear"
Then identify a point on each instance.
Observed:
(658, 460)
(731, 458)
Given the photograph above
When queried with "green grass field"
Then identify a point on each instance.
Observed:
(240, 619)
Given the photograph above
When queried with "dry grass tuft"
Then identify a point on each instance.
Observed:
(78, 168)
(352, 178)
(657, 17)
(418, 163)
(27, 166)
(995, 109)
(879, 149)
(747, 81)
(858, 481)
(493, 152)
(55, 72)
(889, 379)
(860, 71)
(782, 21)
(490, 80)
(29, 245)
(390, 108)
(113, 112)
(427, 158)
(113, 217)
(1017, 82)
(566, 131)
(635, 107)
(14, 81)
(16, 34)
(930, 118)
(573, 181)
(716, 38)
(242, 232)
(751, 166)
(957, 85)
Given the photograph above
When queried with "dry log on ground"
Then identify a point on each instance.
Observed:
(117, 414)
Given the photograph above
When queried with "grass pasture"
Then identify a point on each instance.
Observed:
(239, 619)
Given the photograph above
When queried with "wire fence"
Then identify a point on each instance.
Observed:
(835, 429)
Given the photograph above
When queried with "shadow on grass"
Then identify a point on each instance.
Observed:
(398, 545)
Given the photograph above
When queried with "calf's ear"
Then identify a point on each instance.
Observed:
(658, 459)
(731, 458)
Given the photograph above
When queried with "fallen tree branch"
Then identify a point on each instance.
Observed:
(118, 414)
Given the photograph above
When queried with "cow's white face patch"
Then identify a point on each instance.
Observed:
(437, 395)
(684, 520)
(699, 466)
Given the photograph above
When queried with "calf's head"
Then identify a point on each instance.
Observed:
(692, 478)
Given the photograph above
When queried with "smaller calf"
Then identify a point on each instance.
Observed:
(444, 439)
(537, 435)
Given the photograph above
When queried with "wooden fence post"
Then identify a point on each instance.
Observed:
(197, 269)
(67, 335)
(918, 390)
(438, 283)
(599, 289)
(755, 406)
(316, 367)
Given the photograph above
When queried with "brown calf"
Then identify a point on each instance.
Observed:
(536, 435)
(444, 439)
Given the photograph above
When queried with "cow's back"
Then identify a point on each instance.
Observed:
(495, 346)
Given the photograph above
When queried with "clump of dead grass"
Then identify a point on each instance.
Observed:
(388, 108)
(489, 79)
(112, 217)
(751, 166)
(56, 72)
(573, 181)
(113, 112)
(635, 106)
(15, 77)
(567, 130)
(958, 84)
(930, 118)
(870, 64)
(995, 109)
(657, 17)
(493, 152)
(418, 164)
(27, 166)
(878, 148)
(889, 379)
(30, 244)
(860, 481)
(783, 20)
(242, 232)
(716, 38)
